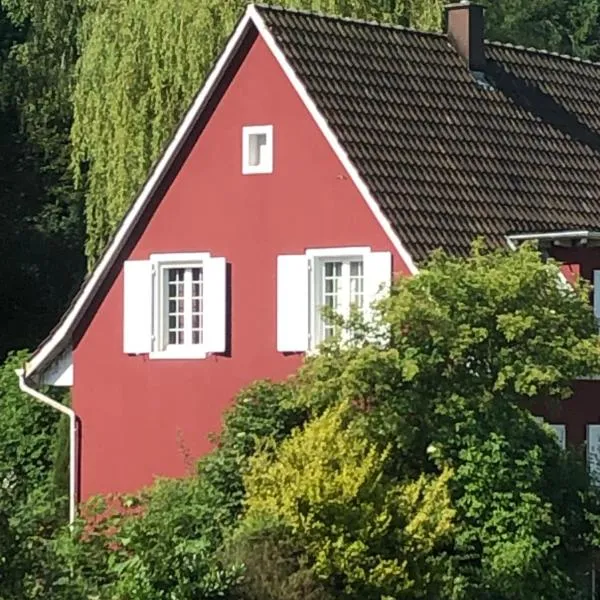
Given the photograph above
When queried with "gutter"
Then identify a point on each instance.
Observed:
(65, 410)
(555, 235)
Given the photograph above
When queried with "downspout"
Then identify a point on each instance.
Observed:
(65, 410)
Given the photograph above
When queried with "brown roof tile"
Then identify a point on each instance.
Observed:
(450, 157)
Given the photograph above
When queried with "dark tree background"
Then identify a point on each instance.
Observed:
(41, 223)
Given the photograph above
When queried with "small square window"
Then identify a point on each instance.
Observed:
(257, 149)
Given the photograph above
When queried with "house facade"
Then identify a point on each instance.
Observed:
(322, 158)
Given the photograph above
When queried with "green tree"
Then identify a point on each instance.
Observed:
(558, 25)
(41, 226)
(119, 549)
(31, 507)
(467, 344)
(368, 535)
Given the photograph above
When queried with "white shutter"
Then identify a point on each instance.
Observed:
(215, 304)
(292, 303)
(597, 294)
(561, 433)
(137, 307)
(593, 451)
(378, 277)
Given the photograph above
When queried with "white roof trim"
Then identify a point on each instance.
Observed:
(331, 138)
(62, 334)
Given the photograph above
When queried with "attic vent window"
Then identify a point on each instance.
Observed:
(257, 149)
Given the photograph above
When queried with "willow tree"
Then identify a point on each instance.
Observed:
(141, 64)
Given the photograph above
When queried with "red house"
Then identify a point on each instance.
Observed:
(322, 156)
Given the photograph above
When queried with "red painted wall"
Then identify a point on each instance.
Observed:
(139, 417)
(583, 407)
(577, 261)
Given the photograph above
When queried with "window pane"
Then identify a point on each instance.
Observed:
(356, 284)
(257, 142)
(174, 305)
(197, 306)
(332, 274)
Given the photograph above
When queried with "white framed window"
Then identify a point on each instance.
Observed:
(179, 306)
(337, 278)
(257, 149)
(559, 430)
(338, 286)
(175, 305)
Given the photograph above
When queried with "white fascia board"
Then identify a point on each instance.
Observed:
(60, 371)
(331, 138)
(62, 335)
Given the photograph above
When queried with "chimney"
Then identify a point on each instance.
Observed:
(464, 27)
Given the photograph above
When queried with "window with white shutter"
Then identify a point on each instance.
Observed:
(175, 306)
(336, 280)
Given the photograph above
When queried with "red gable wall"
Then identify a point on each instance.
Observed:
(140, 417)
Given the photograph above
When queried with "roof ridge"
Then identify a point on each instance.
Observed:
(356, 20)
(543, 51)
(437, 34)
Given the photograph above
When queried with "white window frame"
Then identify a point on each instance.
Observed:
(559, 430)
(160, 263)
(266, 165)
(318, 256)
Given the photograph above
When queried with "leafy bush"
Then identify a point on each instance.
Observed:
(364, 533)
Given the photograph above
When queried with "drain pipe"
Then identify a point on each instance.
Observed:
(65, 410)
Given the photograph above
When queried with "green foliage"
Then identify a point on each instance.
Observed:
(275, 565)
(118, 549)
(468, 344)
(557, 25)
(401, 462)
(30, 506)
(41, 224)
(367, 535)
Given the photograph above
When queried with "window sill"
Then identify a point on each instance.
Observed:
(267, 170)
(179, 353)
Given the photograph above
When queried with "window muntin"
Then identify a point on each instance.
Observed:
(339, 286)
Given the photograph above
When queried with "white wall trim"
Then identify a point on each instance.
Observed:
(179, 257)
(334, 252)
(61, 335)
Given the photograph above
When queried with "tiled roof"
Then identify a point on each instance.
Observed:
(450, 156)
